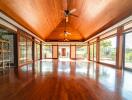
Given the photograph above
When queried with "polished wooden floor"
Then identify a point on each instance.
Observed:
(66, 80)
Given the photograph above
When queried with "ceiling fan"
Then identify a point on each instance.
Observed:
(68, 12)
(66, 33)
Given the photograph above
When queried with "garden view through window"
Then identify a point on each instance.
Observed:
(128, 50)
(91, 51)
(47, 51)
(81, 52)
(108, 50)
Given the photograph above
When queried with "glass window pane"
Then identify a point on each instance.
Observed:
(22, 45)
(43, 51)
(91, 52)
(94, 51)
(37, 51)
(108, 50)
(128, 50)
(47, 51)
(29, 50)
(81, 52)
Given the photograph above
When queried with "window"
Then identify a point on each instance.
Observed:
(47, 51)
(81, 52)
(22, 45)
(128, 50)
(25, 46)
(108, 50)
(94, 47)
(7, 35)
(29, 50)
(91, 52)
(43, 51)
(37, 51)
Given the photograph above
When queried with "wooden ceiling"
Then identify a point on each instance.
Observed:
(58, 33)
(45, 18)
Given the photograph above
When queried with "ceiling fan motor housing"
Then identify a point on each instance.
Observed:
(67, 12)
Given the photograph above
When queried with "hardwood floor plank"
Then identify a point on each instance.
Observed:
(66, 80)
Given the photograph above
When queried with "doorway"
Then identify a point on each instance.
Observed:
(64, 52)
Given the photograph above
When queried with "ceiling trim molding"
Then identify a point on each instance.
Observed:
(4, 23)
(65, 43)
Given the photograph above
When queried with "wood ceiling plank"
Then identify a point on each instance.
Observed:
(39, 16)
(98, 15)
(58, 33)
(43, 16)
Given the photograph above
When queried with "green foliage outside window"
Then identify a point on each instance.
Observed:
(107, 50)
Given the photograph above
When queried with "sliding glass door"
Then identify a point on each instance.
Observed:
(47, 51)
(29, 50)
(93, 51)
(81, 52)
(37, 51)
(25, 49)
(108, 50)
(22, 46)
(128, 50)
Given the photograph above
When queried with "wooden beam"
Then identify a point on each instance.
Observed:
(55, 51)
(119, 49)
(88, 51)
(33, 50)
(97, 49)
(33, 54)
(72, 51)
(41, 51)
(18, 48)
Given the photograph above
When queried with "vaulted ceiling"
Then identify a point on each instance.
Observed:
(45, 18)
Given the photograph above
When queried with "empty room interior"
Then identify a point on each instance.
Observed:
(65, 49)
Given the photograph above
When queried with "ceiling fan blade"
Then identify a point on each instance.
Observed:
(73, 15)
(72, 11)
(68, 33)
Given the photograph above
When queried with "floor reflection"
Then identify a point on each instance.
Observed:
(127, 85)
(64, 66)
(79, 76)
(107, 77)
